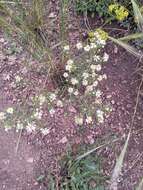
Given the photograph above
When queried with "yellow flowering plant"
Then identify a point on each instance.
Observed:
(118, 11)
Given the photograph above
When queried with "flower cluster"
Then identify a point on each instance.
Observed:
(82, 77)
(119, 11)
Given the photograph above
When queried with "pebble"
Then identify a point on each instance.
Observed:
(112, 102)
(72, 109)
(63, 140)
(2, 40)
(30, 160)
(109, 96)
(52, 15)
(115, 49)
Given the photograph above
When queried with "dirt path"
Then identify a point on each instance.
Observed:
(16, 169)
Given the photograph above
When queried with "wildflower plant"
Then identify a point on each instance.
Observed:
(118, 11)
(82, 75)
(79, 174)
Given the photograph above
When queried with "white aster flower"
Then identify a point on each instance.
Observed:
(7, 127)
(38, 114)
(93, 45)
(42, 99)
(108, 109)
(66, 48)
(17, 78)
(52, 112)
(98, 67)
(30, 127)
(65, 75)
(105, 57)
(87, 48)
(98, 93)
(89, 88)
(93, 67)
(99, 112)
(88, 60)
(94, 75)
(95, 83)
(59, 103)
(52, 97)
(74, 81)
(101, 42)
(79, 120)
(19, 126)
(100, 78)
(76, 93)
(45, 131)
(13, 85)
(96, 58)
(6, 76)
(101, 119)
(89, 120)
(70, 90)
(104, 76)
(10, 110)
(96, 34)
(70, 62)
(68, 67)
(79, 45)
(84, 82)
(85, 75)
(2, 116)
(100, 116)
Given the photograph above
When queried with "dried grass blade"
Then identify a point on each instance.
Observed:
(118, 167)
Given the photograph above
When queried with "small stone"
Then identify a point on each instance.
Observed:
(72, 109)
(112, 102)
(118, 104)
(109, 96)
(30, 160)
(63, 140)
(91, 139)
(6, 162)
(2, 40)
(52, 15)
(115, 50)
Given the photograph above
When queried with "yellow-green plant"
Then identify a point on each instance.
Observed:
(118, 11)
(139, 20)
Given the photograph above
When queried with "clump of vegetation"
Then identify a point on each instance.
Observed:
(118, 11)
(79, 86)
(93, 7)
(109, 10)
(25, 25)
(79, 174)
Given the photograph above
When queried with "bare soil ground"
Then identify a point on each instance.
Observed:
(37, 155)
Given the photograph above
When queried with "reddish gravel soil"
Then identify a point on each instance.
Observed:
(37, 155)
